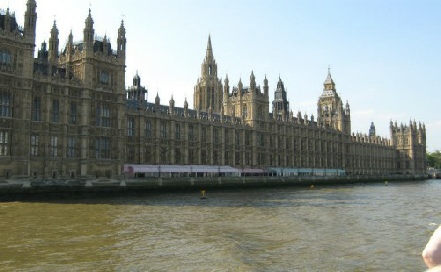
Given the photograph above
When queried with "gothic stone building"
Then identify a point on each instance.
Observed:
(62, 114)
(67, 114)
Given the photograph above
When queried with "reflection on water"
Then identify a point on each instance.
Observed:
(342, 228)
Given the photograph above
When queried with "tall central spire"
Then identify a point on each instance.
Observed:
(209, 54)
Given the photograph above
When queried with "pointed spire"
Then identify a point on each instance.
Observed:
(70, 36)
(329, 83)
(252, 81)
(157, 100)
(89, 20)
(121, 42)
(54, 27)
(209, 54)
(88, 32)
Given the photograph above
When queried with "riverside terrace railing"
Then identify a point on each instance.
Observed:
(169, 171)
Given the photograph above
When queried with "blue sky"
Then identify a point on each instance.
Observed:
(384, 55)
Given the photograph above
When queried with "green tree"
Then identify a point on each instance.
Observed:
(434, 159)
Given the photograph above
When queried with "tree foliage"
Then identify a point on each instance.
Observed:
(434, 159)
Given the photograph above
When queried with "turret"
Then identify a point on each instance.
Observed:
(137, 92)
(136, 80)
(105, 46)
(88, 32)
(240, 87)
(185, 107)
(226, 85)
(7, 21)
(265, 86)
(30, 20)
(280, 102)
(252, 82)
(347, 109)
(121, 51)
(157, 100)
(70, 46)
(372, 130)
(208, 91)
(53, 44)
(171, 106)
(329, 83)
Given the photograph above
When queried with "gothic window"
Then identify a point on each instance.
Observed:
(102, 148)
(148, 129)
(177, 131)
(262, 140)
(163, 130)
(244, 111)
(5, 57)
(4, 143)
(237, 139)
(71, 147)
(131, 127)
(204, 134)
(216, 136)
(34, 145)
(104, 77)
(191, 136)
(53, 147)
(73, 113)
(102, 115)
(247, 138)
(36, 109)
(55, 111)
(209, 70)
(5, 104)
(259, 112)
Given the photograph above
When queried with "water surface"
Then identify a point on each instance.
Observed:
(369, 227)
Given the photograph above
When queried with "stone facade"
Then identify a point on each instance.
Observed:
(62, 113)
(67, 114)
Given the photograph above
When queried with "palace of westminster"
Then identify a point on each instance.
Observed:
(68, 114)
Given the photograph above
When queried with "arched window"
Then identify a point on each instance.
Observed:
(5, 104)
(5, 57)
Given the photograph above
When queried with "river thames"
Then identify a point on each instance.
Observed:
(370, 227)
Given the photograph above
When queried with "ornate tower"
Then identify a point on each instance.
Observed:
(372, 130)
(330, 110)
(137, 92)
(280, 102)
(121, 43)
(30, 20)
(208, 90)
(53, 48)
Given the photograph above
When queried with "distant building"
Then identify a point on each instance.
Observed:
(68, 114)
